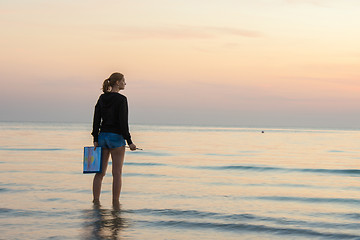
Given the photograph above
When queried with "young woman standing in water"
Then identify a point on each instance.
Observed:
(110, 130)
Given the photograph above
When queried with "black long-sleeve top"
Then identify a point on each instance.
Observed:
(111, 115)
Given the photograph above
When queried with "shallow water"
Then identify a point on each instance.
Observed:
(188, 183)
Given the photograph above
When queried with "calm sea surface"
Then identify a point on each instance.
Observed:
(187, 183)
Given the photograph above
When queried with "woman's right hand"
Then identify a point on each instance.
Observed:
(95, 145)
(132, 147)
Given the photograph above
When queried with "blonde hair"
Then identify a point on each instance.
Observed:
(109, 83)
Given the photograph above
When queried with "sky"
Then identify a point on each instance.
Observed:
(258, 63)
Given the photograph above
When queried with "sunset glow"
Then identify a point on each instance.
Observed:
(246, 63)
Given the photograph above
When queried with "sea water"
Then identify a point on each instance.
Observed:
(187, 183)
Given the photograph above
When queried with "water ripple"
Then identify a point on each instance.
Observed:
(268, 168)
(8, 212)
(194, 214)
(311, 199)
(144, 164)
(152, 175)
(31, 149)
(243, 227)
(151, 153)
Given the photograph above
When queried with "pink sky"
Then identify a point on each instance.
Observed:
(244, 63)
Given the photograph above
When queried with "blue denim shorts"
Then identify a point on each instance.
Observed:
(111, 140)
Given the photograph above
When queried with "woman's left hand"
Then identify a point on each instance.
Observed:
(132, 147)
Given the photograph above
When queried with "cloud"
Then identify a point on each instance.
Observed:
(319, 3)
(235, 31)
(183, 32)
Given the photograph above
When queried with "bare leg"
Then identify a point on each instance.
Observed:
(117, 156)
(99, 176)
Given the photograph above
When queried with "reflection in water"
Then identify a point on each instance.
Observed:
(103, 223)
